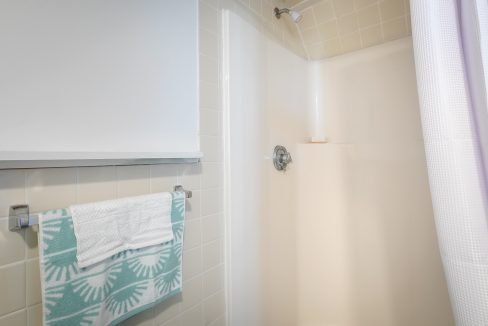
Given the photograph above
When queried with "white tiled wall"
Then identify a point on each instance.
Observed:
(202, 301)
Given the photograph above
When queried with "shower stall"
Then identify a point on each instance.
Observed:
(346, 234)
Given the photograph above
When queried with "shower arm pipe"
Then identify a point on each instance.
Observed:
(279, 12)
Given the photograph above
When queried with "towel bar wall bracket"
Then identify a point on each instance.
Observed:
(19, 217)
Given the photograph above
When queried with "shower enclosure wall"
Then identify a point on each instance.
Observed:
(346, 235)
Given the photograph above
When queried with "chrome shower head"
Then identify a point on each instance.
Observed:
(295, 15)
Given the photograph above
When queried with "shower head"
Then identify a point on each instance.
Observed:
(295, 15)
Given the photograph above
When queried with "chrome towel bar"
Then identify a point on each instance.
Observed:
(19, 217)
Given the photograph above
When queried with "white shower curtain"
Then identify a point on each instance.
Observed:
(451, 56)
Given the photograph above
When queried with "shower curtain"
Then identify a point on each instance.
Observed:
(451, 56)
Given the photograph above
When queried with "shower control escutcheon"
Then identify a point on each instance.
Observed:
(281, 158)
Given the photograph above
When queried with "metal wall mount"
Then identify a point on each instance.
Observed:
(281, 158)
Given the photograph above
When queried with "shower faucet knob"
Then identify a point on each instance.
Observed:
(281, 158)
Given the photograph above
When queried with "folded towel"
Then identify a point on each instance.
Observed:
(106, 228)
(112, 290)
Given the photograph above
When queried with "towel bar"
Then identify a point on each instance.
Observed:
(19, 217)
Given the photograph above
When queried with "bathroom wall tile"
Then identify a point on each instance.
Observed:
(214, 307)
(369, 16)
(31, 250)
(371, 36)
(218, 322)
(347, 24)
(145, 318)
(15, 319)
(193, 234)
(96, 184)
(209, 95)
(167, 310)
(192, 263)
(51, 188)
(211, 148)
(193, 206)
(209, 122)
(351, 42)
(211, 202)
(12, 190)
(364, 3)
(133, 180)
(12, 247)
(34, 315)
(192, 317)
(190, 176)
(392, 9)
(213, 280)
(192, 293)
(343, 7)
(308, 19)
(33, 282)
(311, 35)
(395, 29)
(212, 227)
(209, 18)
(209, 69)
(212, 175)
(328, 30)
(12, 285)
(255, 6)
(324, 11)
(316, 51)
(173, 322)
(212, 254)
(164, 177)
(213, 3)
(209, 43)
(333, 47)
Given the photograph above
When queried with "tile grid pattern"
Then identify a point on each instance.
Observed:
(202, 301)
(334, 27)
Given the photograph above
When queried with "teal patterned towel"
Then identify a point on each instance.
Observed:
(110, 291)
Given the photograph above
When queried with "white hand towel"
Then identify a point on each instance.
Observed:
(106, 228)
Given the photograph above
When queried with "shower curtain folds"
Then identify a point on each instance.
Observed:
(451, 57)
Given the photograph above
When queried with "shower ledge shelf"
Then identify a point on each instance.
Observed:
(30, 160)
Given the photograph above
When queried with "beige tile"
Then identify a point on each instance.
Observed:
(96, 184)
(34, 315)
(211, 148)
(12, 244)
(213, 3)
(212, 227)
(308, 19)
(191, 176)
(164, 177)
(395, 29)
(364, 3)
(209, 122)
(211, 255)
(145, 318)
(211, 202)
(33, 282)
(32, 249)
(343, 7)
(133, 180)
(12, 190)
(51, 188)
(213, 280)
(208, 44)
(212, 175)
(368, 16)
(209, 95)
(192, 263)
(392, 9)
(324, 11)
(371, 36)
(333, 47)
(209, 69)
(209, 18)
(192, 317)
(167, 310)
(192, 293)
(218, 322)
(347, 24)
(193, 234)
(328, 30)
(351, 42)
(193, 206)
(214, 307)
(12, 285)
(173, 322)
(15, 319)
(311, 35)
(316, 51)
